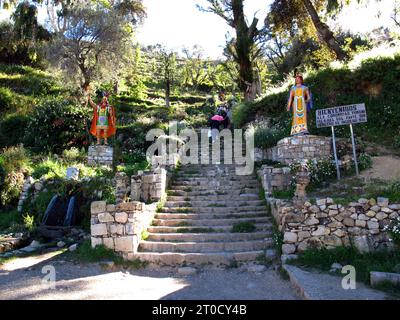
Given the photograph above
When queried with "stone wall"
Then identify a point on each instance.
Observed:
(273, 179)
(119, 227)
(326, 224)
(149, 185)
(100, 155)
(297, 149)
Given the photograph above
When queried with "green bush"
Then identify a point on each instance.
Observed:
(265, 137)
(56, 125)
(12, 130)
(14, 164)
(364, 161)
(374, 83)
(394, 230)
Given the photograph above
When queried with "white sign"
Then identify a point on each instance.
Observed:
(339, 116)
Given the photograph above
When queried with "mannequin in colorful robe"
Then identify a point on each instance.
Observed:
(299, 104)
(103, 122)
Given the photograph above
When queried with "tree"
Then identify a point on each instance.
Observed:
(93, 44)
(21, 40)
(241, 48)
(396, 13)
(195, 66)
(168, 70)
(300, 15)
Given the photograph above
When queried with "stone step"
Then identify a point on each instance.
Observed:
(216, 184)
(228, 197)
(208, 192)
(208, 237)
(215, 229)
(207, 222)
(194, 216)
(210, 203)
(213, 209)
(191, 247)
(197, 259)
(250, 178)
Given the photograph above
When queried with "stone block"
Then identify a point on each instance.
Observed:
(98, 229)
(96, 242)
(125, 244)
(105, 217)
(290, 237)
(288, 249)
(109, 243)
(121, 217)
(98, 207)
(380, 277)
(117, 229)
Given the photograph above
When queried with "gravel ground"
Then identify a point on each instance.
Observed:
(22, 279)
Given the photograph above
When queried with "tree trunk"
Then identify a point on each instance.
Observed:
(167, 92)
(324, 32)
(243, 45)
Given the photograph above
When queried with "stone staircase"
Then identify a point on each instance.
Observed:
(195, 226)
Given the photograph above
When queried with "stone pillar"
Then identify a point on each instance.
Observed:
(302, 181)
(121, 187)
(100, 155)
(136, 187)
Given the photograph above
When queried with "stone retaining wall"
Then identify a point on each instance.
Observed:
(119, 227)
(326, 224)
(149, 186)
(297, 149)
(273, 179)
(100, 155)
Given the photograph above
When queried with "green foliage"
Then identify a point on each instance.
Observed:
(14, 124)
(373, 83)
(145, 235)
(56, 125)
(394, 230)
(364, 263)
(49, 168)
(8, 218)
(321, 171)
(267, 137)
(29, 222)
(284, 194)
(243, 227)
(14, 163)
(364, 161)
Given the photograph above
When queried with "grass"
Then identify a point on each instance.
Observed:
(283, 194)
(364, 263)
(85, 253)
(8, 219)
(243, 227)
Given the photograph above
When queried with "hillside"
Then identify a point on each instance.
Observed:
(374, 82)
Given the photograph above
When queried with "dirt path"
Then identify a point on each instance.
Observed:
(22, 279)
(385, 167)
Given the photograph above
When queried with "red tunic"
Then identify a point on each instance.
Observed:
(111, 124)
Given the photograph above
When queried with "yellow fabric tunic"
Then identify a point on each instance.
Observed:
(299, 109)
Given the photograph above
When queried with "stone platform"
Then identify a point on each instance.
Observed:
(100, 155)
(300, 148)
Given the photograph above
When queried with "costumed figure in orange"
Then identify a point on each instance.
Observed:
(103, 123)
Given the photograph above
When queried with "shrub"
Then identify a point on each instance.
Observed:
(268, 137)
(14, 163)
(364, 161)
(394, 231)
(56, 125)
(12, 130)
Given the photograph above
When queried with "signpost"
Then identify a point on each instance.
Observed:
(339, 116)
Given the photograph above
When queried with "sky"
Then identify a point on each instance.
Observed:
(178, 23)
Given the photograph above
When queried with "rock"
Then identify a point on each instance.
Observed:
(332, 240)
(303, 235)
(371, 213)
(386, 210)
(290, 237)
(362, 217)
(286, 257)
(72, 173)
(332, 213)
(73, 247)
(381, 215)
(361, 223)
(348, 222)
(256, 268)
(372, 202)
(329, 200)
(339, 233)
(121, 217)
(336, 267)
(314, 209)
(187, 271)
(61, 244)
(35, 244)
(109, 243)
(117, 229)
(125, 244)
(302, 246)
(333, 207)
(394, 215)
(270, 254)
(376, 208)
(373, 225)
(99, 229)
(110, 265)
(354, 216)
(394, 206)
(383, 202)
(96, 242)
(363, 201)
(311, 221)
(288, 248)
(379, 277)
(105, 217)
(320, 231)
(98, 207)
(361, 243)
(321, 202)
